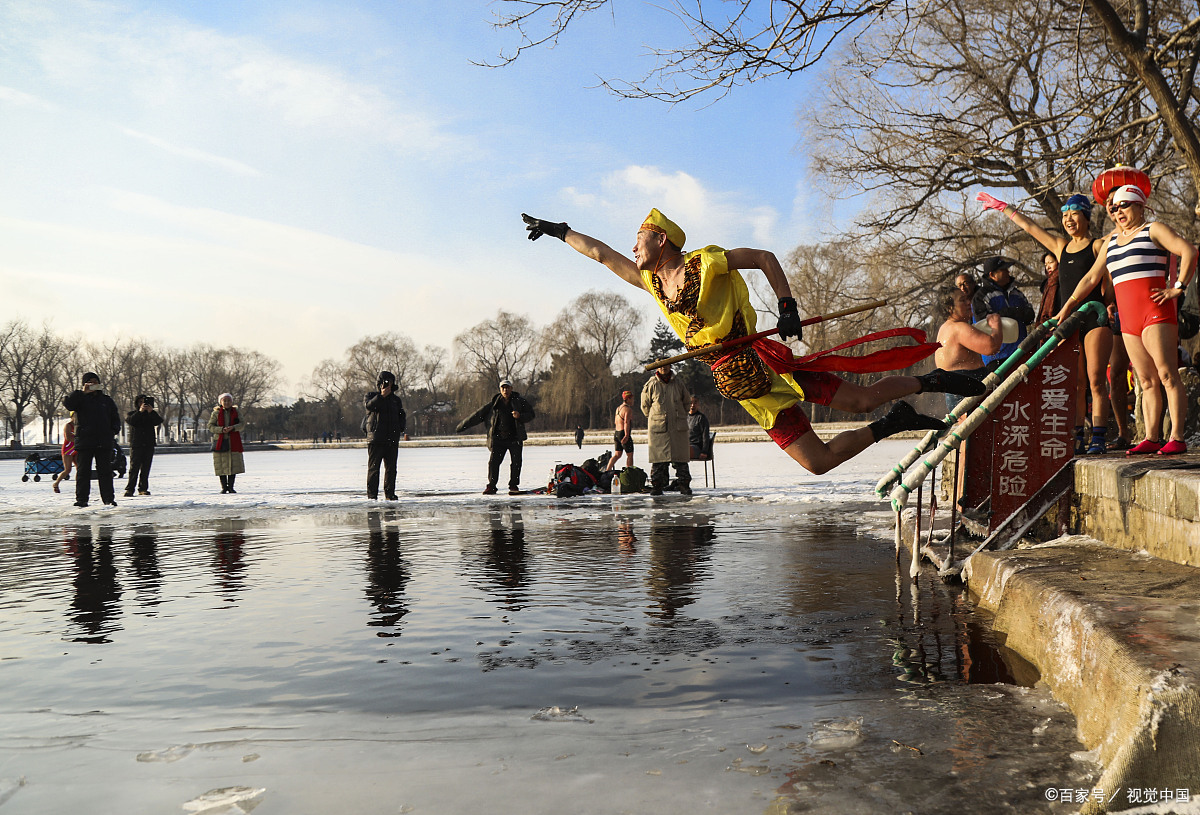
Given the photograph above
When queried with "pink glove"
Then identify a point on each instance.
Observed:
(990, 203)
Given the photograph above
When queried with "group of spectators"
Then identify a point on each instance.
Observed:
(1138, 274)
(89, 442)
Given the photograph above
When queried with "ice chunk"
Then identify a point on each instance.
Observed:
(223, 797)
(166, 756)
(557, 714)
(836, 734)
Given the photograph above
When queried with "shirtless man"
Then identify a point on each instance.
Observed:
(623, 424)
(705, 300)
(963, 345)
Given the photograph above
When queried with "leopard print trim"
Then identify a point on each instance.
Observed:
(743, 376)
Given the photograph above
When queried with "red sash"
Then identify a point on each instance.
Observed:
(780, 359)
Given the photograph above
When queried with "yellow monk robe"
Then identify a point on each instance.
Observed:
(713, 306)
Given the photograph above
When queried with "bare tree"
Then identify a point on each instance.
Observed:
(384, 352)
(727, 44)
(504, 348)
(26, 357)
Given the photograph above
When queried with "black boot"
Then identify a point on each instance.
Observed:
(231, 489)
(903, 417)
(939, 381)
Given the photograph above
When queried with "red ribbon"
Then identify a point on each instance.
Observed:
(780, 359)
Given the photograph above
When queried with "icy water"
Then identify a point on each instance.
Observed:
(297, 649)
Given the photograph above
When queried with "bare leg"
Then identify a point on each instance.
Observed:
(1096, 351)
(1161, 342)
(865, 398)
(1152, 395)
(819, 457)
(1118, 375)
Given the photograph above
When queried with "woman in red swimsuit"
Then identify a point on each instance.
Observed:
(68, 452)
(1136, 258)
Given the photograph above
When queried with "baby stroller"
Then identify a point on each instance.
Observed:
(37, 466)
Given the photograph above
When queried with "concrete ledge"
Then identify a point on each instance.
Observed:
(1116, 636)
(1144, 503)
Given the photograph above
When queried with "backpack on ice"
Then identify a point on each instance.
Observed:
(570, 480)
(633, 479)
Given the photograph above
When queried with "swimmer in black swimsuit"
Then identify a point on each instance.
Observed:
(1075, 257)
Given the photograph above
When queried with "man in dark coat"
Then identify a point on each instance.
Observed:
(506, 416)
(97, 421)
(385, 424)
(143, 423)
(999, 294)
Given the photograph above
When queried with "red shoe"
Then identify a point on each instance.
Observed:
(1173, 448)
(1144, 448)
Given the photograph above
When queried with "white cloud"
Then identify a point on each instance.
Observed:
(16, 97)
(193, 154)
(707, 216)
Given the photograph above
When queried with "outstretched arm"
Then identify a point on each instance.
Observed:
(586, 245)
(1052, 242)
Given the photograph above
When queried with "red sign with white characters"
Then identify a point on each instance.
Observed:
(1026, 440)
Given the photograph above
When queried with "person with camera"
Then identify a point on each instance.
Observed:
(385, 424)
(143, 423)
(97, 421)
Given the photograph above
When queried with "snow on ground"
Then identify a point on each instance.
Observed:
(282, 482)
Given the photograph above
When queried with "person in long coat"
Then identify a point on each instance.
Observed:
(224, 425)
(665, 400)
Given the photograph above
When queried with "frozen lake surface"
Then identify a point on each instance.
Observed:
(295, 648)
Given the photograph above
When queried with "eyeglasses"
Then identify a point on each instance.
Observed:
(1122, 205)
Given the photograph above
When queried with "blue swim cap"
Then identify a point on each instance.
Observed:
(1079, 203)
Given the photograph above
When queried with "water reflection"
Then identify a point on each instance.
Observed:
(143, 560)
(936, 638)
(504, 565)
(680, 557)
(95, 603)
(228, 545)
(387, 574)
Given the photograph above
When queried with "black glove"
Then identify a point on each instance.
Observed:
(536, 227)
(789, 319)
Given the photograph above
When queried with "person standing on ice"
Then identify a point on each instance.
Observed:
(506, 416)
(706, 301)
(385, 424)
(97, 421)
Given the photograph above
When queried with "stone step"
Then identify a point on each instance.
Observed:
(1143, 503)
(1116, 636)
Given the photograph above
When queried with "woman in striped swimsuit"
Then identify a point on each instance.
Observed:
(1136, 258)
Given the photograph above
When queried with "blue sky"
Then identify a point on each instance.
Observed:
(291, 176)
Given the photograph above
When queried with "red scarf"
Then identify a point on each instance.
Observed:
(235, 438)
(781, 360)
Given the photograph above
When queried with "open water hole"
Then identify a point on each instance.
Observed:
(517, 656)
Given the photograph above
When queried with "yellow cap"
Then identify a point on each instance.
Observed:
(658, 222)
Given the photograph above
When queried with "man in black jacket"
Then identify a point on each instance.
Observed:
(1000, 294)
(385, 424)
(96, 423)
(143, 423)
(506, 416)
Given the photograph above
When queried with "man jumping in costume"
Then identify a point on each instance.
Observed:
(706, 301)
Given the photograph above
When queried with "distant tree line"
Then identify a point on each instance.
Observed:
(38, 367)
(573, 369)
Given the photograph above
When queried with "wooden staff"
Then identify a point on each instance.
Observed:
(729, 344)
